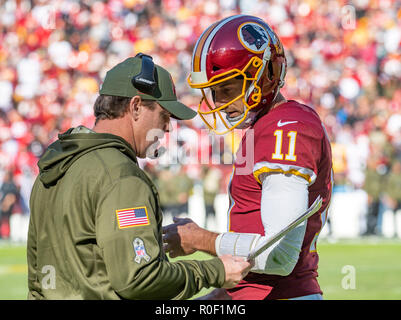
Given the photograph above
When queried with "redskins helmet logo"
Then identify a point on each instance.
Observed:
(253, 37)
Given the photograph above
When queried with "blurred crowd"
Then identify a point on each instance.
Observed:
(344, 60)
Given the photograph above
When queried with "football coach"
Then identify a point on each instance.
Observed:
(95, 228)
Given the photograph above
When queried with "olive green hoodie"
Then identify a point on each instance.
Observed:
(80, 246)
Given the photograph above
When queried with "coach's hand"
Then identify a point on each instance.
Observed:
(236, 269)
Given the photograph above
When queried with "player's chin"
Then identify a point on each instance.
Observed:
(233, 118)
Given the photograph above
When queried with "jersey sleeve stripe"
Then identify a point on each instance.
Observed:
(269, 167)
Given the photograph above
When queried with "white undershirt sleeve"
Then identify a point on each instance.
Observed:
(284, 197)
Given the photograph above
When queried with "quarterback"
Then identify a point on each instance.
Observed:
(282, 165)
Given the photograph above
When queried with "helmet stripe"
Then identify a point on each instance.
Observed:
(204, 41)
(199, 46)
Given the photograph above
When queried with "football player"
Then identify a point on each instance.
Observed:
(283, 163)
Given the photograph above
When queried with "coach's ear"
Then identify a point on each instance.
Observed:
(135, 107)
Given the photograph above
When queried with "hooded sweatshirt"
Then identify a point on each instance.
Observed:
(95, 229)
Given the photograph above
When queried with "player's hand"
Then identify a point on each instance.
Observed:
(236, 269)
(180, 237)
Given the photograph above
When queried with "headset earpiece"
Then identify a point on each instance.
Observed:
(145, 80)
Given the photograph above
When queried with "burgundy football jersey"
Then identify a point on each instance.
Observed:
(290, 139)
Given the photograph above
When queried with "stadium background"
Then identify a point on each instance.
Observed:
(344, 60)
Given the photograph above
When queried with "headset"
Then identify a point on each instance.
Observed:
(145, 80)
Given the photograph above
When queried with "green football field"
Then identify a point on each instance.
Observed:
(348, 270)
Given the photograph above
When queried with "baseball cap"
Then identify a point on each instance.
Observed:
(118, 83)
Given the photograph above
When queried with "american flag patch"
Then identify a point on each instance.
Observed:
(132, 217)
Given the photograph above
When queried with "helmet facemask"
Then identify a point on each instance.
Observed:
(250, 96)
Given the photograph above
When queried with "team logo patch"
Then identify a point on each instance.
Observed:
(140, 251)
(132, 217)
(253, 37)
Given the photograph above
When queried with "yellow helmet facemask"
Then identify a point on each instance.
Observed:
(250, 95)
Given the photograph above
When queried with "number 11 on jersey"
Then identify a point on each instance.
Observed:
(277, 155)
